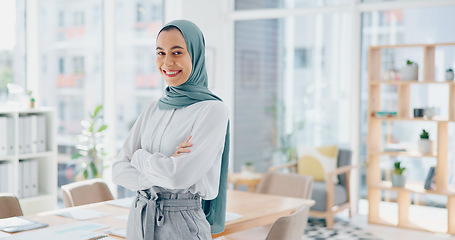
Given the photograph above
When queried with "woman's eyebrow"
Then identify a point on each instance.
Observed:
(172, 48)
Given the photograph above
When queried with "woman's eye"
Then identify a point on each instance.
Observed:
(160, 53)
(177, 53)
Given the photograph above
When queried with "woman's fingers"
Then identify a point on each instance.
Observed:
(183, 147)
(186, 143)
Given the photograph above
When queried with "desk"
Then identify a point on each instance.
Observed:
(257, 210)
(251, 180)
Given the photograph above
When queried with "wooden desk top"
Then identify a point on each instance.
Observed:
(257, 210)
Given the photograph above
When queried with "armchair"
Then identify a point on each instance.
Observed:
(330, 198)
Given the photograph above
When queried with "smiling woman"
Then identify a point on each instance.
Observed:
(176, 154)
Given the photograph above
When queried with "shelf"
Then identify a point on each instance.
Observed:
(411, 187)
(405, 154)
(434, 119)
(404, 214)
(424, 218)
(43, 165)
(40, 197)
(36, 155)
(9, 110)
(380, 82)
(7, 158)
(411, 45)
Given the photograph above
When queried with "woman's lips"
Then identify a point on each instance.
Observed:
(172, 73)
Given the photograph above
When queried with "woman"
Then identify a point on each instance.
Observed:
(177, 151)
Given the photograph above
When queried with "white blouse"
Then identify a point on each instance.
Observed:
(145, 160)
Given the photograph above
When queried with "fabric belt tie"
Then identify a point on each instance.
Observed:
(150, 208)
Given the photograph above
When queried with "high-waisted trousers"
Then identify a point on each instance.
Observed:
(170, 216)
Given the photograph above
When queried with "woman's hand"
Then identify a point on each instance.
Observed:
(183, 147)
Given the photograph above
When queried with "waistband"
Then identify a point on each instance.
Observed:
(154, 207)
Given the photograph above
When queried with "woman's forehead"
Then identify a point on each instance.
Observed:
(170, 37)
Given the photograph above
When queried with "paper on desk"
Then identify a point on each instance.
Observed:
(2, 234)
(71, 231)
(82, 214)
(230, 216)
(123, 217)
(122, 202)
(119, 232)
(19, 224)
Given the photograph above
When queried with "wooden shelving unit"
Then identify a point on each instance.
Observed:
(374, 182)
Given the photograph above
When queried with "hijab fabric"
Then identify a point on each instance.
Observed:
(192, 91)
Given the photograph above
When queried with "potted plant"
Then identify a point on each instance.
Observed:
(247, 168)
(88, 159)
(425, 144)
(398, 177)
(449, 74)
(409, 72)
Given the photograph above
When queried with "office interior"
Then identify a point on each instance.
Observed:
(293, 73)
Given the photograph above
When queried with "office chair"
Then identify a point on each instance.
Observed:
(86, 192)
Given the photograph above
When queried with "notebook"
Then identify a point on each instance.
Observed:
(18, 224)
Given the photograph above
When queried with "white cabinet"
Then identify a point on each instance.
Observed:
(28, 157)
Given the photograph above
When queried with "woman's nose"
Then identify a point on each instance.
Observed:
(168, 61)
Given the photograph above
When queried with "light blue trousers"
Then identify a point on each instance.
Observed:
(171, 216)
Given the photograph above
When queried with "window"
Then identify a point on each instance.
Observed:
(137, 82)
(69, 44)
(12, 46)
(61, 66)
(292, 86)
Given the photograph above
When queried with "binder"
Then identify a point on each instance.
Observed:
(3, 136)
(34, 133)
(42, 133)
(27, 131)
(21, 135)
(10, 142)
(8, 177)
(27, 180)
(20, 184)
(3, 178)
(34, 178)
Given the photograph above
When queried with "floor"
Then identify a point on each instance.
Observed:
(394, 233)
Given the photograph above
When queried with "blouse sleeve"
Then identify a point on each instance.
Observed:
(208, 135)
(123, 173)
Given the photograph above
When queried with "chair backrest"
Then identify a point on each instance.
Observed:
(85, 192)
(9, 206)
(290, 227)
(286, 184)
(344, 159)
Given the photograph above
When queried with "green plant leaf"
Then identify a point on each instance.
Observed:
(98, 108)
(85, 173)
(76, 155)
(102, 128)
(94, 170)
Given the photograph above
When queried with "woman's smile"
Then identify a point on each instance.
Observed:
(172, 73)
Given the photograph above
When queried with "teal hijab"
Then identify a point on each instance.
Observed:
(195, 90)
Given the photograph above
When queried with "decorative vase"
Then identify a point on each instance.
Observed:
(409, 72)
(425, 146)
(449, 75)
(398, 180)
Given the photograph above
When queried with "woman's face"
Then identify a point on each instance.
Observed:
(172, 57)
